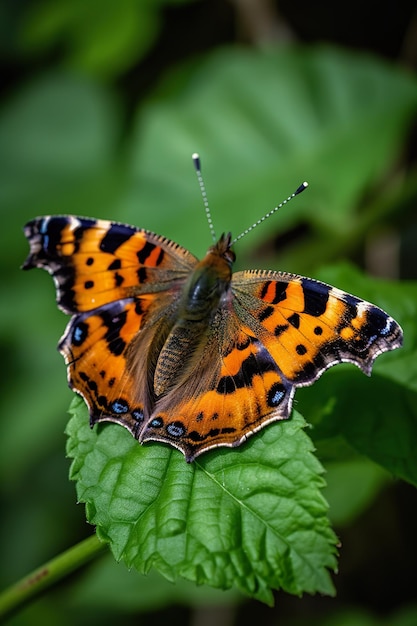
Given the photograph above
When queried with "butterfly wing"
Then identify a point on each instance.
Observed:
(121, 284)
(272, 332)
(275, 332)
(94, 262)
(309, 326)
(234, 389)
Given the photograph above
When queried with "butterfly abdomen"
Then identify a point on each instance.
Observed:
(185, 340)
(200, 300)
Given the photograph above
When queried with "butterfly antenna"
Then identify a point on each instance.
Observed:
(262, 219)
(197, 165)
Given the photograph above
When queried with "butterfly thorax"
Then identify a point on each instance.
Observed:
(206, 286)
(208, 282)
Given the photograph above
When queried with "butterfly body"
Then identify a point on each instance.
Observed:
(208, 282)
(183, 351)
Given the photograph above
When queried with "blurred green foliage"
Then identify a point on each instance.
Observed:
(82, 132)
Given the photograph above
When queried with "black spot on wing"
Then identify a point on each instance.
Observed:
(294, 320)
(115, 237)
(279, 329)
(242, 345)
(91, 384)
(142, 274)
(301, 349)
(280, 292)
(279, 288)
(146, 251)
(196, 436)
(316, 296)
(114, 323)
(138, 307)
(265, 313)
(115, 265)
(118, 279)
(254, 364)
(113, 317)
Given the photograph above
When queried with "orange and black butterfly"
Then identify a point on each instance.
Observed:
(184, 351)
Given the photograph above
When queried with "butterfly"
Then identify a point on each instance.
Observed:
(183, 351)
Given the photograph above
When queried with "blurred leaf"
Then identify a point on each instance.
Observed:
(112, 586)
(351, 487)
(57, 133)
(253, 519)
(263, 122)
(377, 417)
(57, 143)
(349, 616)
(99, 37)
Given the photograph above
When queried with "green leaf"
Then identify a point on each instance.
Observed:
(253, 518)
(377, 417)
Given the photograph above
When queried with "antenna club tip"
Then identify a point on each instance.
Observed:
(301, 188)
(196, 160)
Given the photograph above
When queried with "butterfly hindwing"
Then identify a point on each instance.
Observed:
(236, 390)
(95, 347)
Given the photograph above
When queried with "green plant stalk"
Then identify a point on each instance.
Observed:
(28, 588)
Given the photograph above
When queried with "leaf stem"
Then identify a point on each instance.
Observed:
(28, 588)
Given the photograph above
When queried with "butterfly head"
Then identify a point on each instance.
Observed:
(216, 266)
(223, 249)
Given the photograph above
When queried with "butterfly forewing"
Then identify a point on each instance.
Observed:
(308, 326)
(94, 262)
